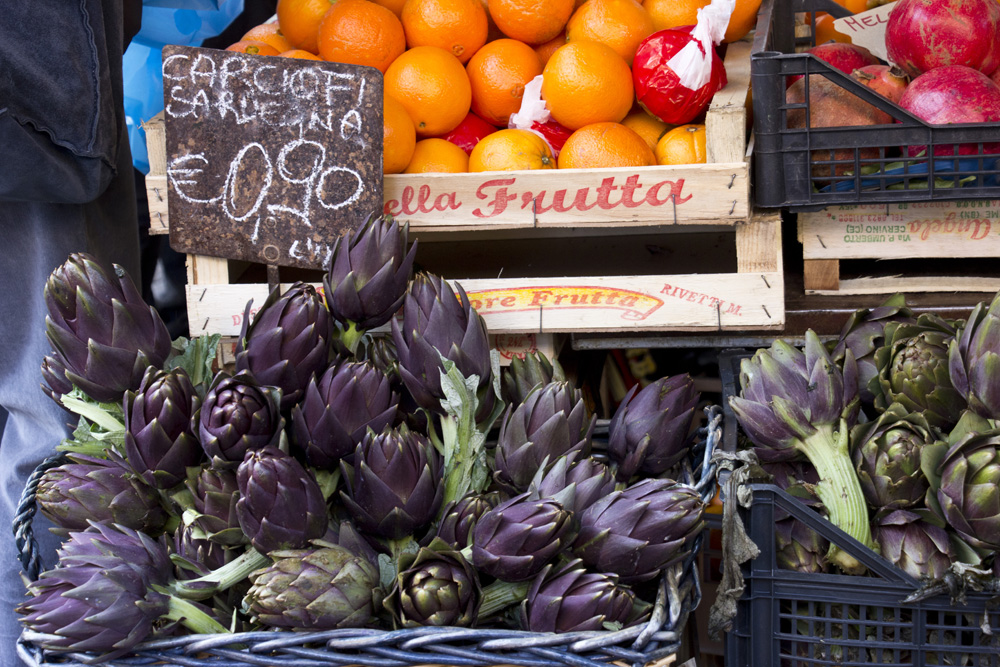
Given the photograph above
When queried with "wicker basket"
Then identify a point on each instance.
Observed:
(679, 594)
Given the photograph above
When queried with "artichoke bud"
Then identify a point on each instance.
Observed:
(103, 335)
(459, 518)
(526, 373)
(238, 415)
(915, 541)
(797, 546)
(436, 586)
(207, 504)
(574, 480)
(887, 455)
(974, 360)
(649, 431)
(315, 589)
(568, 598)
(515, 540)
(54, 374)
(369, 271)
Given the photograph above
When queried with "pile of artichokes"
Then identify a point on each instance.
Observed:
(340, 479)
(891, 432)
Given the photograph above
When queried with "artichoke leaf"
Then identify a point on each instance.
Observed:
(196, 357)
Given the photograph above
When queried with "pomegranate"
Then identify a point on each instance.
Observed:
(830, 105)
(469, 132)
(953, 94)
(923, 34)
(845, 57)
(887, 81)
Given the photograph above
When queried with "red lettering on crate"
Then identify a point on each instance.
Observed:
(701, 299)
(408, 205)
(635, 306)
(976, 229)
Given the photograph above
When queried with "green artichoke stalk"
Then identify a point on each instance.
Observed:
(863, 334)
(800, 400)
(640, 531)
(964, 476)
(92, 489)
(369, 271)
(525, 373)
(568, 598)
(435, 586)
(160, 444)
(974, 360)
(287, 342)
(552, 421)
(914, 541)
(315, 589)
(103, 335)
(105, 594)
(649, 432)
(887, 456)
(516, 539)
(238, 415)
(281, 505)
(913, 370)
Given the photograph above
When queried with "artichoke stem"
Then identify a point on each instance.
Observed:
(501, 594)
(351, 337)
(222, 579)
(193, 618)
(839, 490)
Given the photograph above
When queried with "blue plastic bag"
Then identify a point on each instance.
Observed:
(142, 64)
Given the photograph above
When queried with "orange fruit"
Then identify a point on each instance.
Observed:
(301, 54)
(621, 24)
(433, 86)
(394, 6)
(684, 144)
(299, 21)
(587, 82)
(398, 136)
(825, 32)
(531, 21)
(437, 156)
(269, 33)
(674, 13)
(646, 126)
(854, 6)
(459, 26)
(498, 73)
(546, 50)
(604, 145)
(359, 32)
(253, 47)
(743, 20)
(509, 150)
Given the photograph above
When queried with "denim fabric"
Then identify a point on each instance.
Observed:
(66, 185)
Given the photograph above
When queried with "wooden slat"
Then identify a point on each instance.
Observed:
(204, 270)
(156, 180)
(156, 196)
(910, 284)
(821, 274)
(899, 231)
(726, 120)
(758, 244)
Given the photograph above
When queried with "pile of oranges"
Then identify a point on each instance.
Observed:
(456, 70)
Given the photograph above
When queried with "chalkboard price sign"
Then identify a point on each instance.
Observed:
(269, 159)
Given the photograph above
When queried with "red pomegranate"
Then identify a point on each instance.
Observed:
(923, 34)
(953, 94)
(831, 105)
(469, 132)
(845, 57)
(887, 81)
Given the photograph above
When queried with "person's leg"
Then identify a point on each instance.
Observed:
(36, 238)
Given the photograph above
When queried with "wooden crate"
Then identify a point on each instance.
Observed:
(714, 193)
(907, 247)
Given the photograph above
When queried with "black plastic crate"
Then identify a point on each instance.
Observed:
(790, 619)
(799, 168)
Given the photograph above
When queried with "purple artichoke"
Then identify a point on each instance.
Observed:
(54, 374)
(552, 421)
(315, 589)
(437, 587)
(524, 374)
(650, 428)
(575, 481)
(568, 598)
(515, 540)
(201, 556)
(974, 360)
(91, 489)
(915, 542)
(394, 487)
(887, 456)
(208, 504)
(638, 532)
(338, 409)
(368, 274)
(281, 506)
(288, 341)
(103, 335)
(159, 442)
(238, 415)
(459, 518)
(98, 598)
(438, 323)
